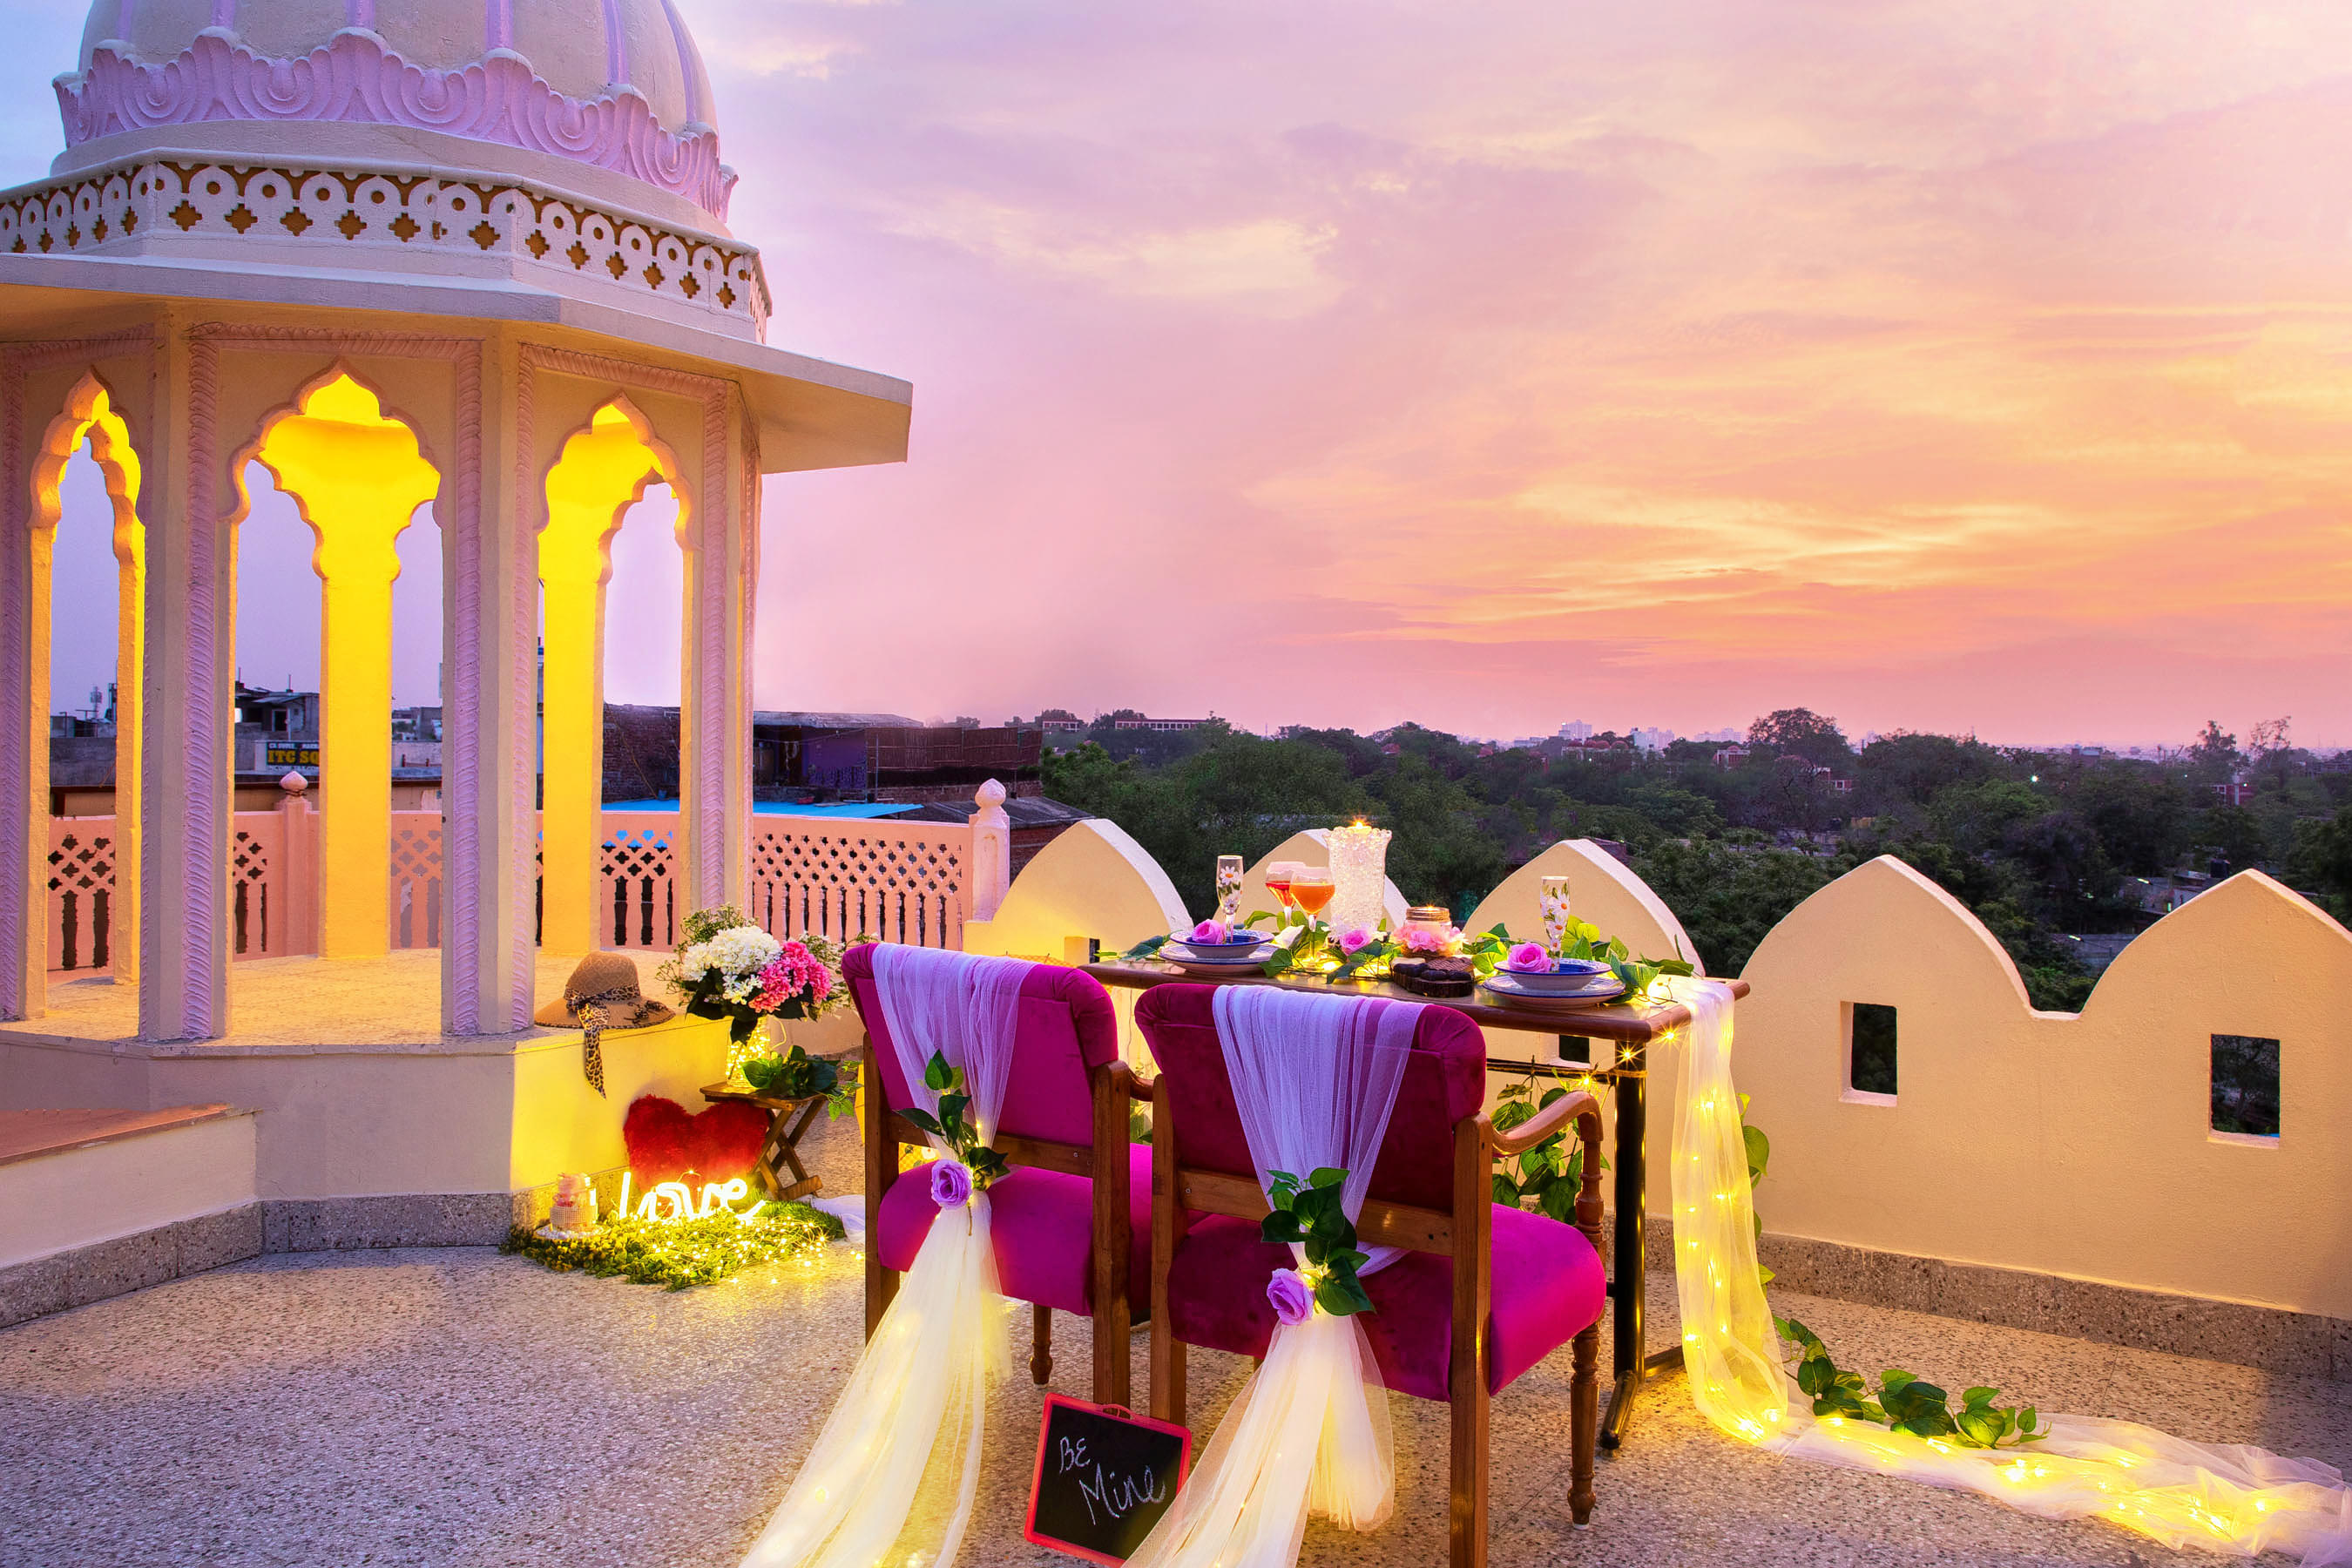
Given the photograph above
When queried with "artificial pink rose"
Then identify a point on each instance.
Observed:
(951, 1184)
(1288, 1295)
(1209, 933)
(1529, 958)
(1354, 938)
(1423, 941)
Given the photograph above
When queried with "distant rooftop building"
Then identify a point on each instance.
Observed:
(1160, 726)
(1653, 740)
(1575, 729)
(1717, 737)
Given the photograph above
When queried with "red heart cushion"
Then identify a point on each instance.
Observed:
(666, 1144)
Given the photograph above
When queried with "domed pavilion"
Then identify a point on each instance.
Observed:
(451, 263)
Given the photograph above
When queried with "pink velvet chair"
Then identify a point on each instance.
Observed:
(1069, 1218)
(1482, 1293)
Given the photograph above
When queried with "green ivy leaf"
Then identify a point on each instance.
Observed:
(937, 1076)
(924, 1120)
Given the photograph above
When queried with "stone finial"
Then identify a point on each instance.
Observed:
(991, 850)
(293, 783)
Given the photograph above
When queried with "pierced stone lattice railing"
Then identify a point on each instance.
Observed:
(908, 882)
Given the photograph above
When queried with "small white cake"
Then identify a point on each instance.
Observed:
(574, 1214)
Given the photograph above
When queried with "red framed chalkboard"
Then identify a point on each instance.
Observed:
(1104, 1477)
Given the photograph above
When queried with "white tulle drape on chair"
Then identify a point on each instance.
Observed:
(2228, 1497)
(892, 1476)
(1315, 1078)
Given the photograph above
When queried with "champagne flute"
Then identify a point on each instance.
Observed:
(1229, 887)
(1553, 895)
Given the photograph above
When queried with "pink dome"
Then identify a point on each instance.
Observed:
(616, 84)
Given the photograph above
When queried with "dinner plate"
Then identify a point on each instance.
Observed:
(1227, 960)
(1504, 988)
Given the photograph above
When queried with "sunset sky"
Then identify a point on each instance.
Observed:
(1492, 365)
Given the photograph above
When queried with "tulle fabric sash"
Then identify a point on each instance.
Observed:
(2228, 1497)
(1314, 1079)
(893, 1474)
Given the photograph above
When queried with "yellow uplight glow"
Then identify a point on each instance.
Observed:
(357, 477)
(602, 471)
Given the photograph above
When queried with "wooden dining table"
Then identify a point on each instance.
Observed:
(1631, 1030)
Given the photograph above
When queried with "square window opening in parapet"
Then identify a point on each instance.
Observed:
(2245, 1102)
(1869, 1052)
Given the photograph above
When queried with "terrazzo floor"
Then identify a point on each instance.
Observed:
(457, 1407)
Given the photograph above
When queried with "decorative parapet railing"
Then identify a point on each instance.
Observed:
(906, 882)
(276, 213)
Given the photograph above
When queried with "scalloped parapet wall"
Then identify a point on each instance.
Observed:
(2058, 1143)
(356, 78)
(264, 215)
(1601, 891)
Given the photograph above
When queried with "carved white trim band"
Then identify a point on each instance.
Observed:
(346, 215)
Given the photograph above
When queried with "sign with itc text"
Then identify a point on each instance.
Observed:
(300, 756)
(1104, 1477)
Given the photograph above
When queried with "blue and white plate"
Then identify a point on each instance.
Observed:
(1567, 977)
(1221, 958)
(1505, 990)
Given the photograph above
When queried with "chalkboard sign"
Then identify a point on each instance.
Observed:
(1104, 1477)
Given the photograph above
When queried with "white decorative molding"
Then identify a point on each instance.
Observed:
(345, 215)
(356, 78)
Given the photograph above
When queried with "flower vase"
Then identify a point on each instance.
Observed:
(766, 1040)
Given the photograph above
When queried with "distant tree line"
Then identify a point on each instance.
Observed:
(2042, 846)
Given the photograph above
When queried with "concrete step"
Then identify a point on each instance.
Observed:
(97, 1202)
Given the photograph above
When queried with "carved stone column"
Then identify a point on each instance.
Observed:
(491, 719)
(722, 569)
(186, 793)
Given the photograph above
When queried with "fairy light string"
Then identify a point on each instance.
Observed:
(2234, 1498)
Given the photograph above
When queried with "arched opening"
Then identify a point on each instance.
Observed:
(605, 509)
(87, 468)
(357, 477)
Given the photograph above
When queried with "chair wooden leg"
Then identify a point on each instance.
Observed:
(1584, 1423)
(1112, 1332)
(1041, 1346)
(1466, 1381)
(1467, 1516)
(881, 1171)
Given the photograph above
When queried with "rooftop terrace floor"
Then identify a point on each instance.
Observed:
(455, 1408)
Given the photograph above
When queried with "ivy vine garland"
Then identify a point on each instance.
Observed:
(682, 1254)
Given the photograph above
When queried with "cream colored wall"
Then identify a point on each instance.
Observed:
(339, 1121)
(1092, 881)
(78, 1196)
(1601, 890)
(2069, 1145)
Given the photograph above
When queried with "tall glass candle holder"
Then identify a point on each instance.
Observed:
(1553, 895)
(1229, 887)
(1359, 857)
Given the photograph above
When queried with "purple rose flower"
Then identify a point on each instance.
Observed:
(1211, 933)
(951, 1184)
(1353, 938)
(1291, 1301)
(1529, 958)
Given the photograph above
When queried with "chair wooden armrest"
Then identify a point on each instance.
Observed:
(1519, 1140)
